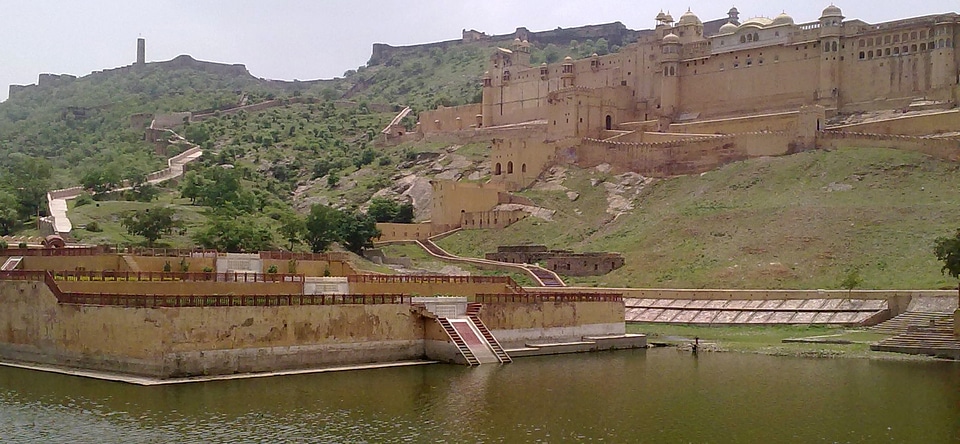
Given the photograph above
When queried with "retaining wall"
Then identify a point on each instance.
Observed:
(513, 324)
(171, 342)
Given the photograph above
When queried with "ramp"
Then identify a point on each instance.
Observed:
(12, 263)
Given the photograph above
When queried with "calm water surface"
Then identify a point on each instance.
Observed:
(658, 395)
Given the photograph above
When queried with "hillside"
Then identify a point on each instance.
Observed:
(801, 221)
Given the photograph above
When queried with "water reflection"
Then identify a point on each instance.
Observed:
(624, 396)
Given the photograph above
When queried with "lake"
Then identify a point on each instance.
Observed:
(656, 395)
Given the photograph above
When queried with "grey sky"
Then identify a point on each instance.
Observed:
(285, 39)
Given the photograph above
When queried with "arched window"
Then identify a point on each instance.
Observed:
(510, 167)
(923, 46)
(749, 37)
(870, 54)
(506, 76)
(949, 43)
(756, 37)
(833, 47)
(896, 50)
(609, 122)
(862, 55)
(497, 170)
(886, 51)
(743, 39)
(913, 48)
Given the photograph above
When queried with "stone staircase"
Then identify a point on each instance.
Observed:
(473, 311)
(12, 263)
(458, 341)
(935, 339)
(904, 321)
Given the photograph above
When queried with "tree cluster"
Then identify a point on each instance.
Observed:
(325, 225)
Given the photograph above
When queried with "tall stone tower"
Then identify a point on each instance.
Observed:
(141, 51)
(831, 26)
(489, 97)
(944, 66)
(669, 80)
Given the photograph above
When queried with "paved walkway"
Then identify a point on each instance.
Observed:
(540, 275)
(57, 199)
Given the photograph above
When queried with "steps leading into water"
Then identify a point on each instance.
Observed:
(902, 322)
(473, 311)
(458, 341)
(12, 263)
(935, 339)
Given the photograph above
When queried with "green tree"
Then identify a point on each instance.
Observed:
(383, 209)
(947, 250)
(234, 234)
(292, 228)
(851, 280)
(101, 179)
(358, 232)
(29, 179)
(191, 185)
(151, 223)
(405, 214)
(9, 216)
(322, 227)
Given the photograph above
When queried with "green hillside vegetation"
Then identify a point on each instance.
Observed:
(425, 79)
(802, 221)
(812, 220)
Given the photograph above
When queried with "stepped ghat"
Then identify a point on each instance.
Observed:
(115, 313)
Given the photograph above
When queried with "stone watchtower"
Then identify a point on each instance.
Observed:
(141, 51)
(521, 53)
(568, 76)
(669, 80)
(831, 26)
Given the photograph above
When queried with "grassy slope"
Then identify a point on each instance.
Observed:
(764, 223)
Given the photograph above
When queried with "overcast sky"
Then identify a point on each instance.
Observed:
(286, 39)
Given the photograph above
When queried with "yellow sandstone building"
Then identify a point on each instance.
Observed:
(688, 96)
(683, 71)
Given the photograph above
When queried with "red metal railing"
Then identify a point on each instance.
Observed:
(429, 279)
(103, 276)
(153, 300)
(22, 275)
(531, 298)
(80, 251)
(288, 255)
(261, 300)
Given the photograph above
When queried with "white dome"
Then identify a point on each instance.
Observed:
(689, 18)
(831, 11)
(671, 39)
(759, 22)
(728, 28)
(783, 19)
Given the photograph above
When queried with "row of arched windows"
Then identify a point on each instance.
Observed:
(755, 37)
(498, 169)
(898, 50)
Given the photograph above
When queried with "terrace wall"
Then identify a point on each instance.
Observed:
(184, 341)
